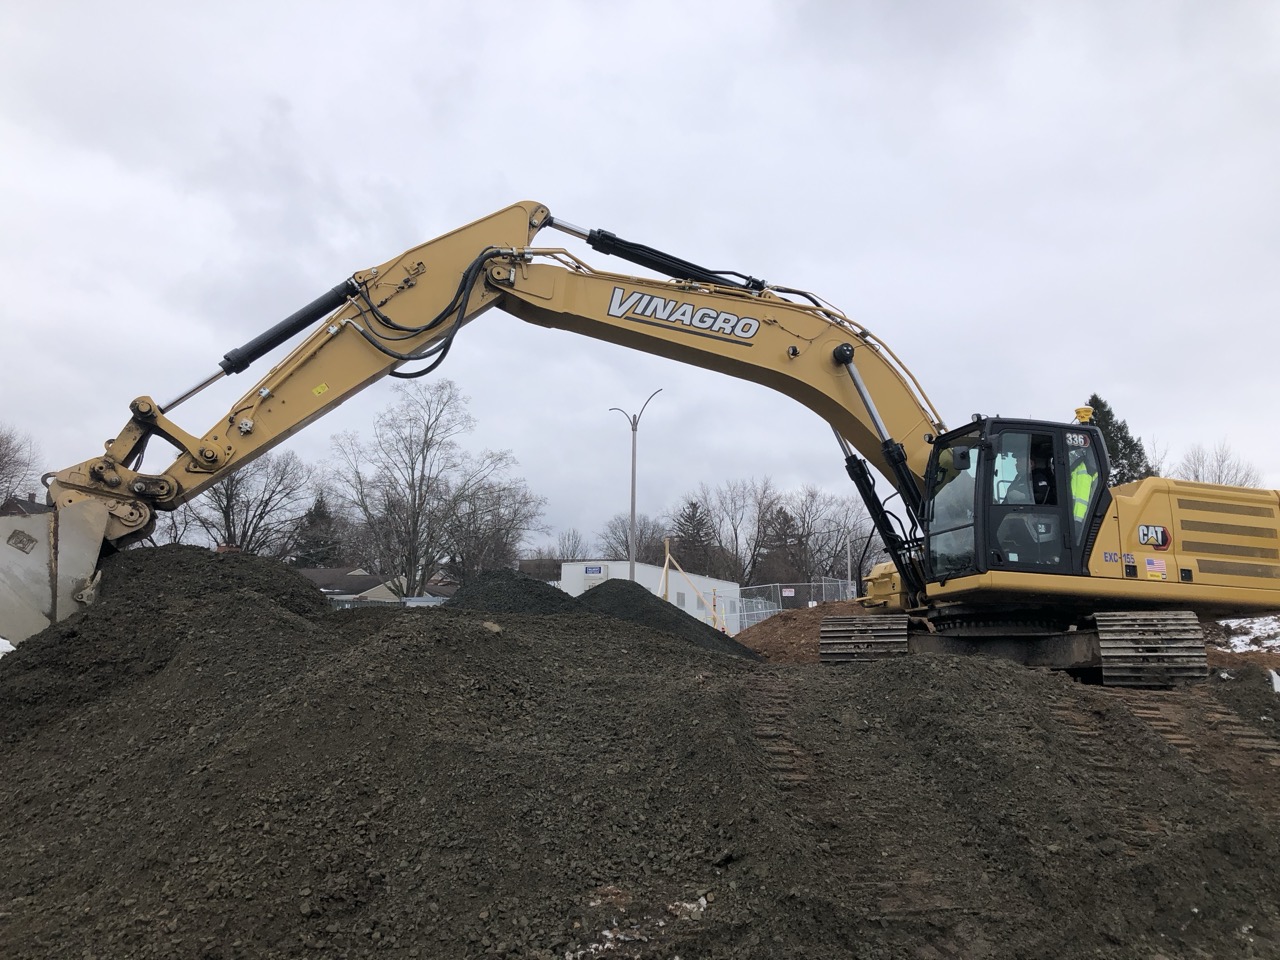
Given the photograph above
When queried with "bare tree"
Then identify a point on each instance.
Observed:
(176, 526)
(18, 460)
(614, 539)
(1158, 457)
(547, 557)
(570, 545)
(1220, 465)
(545, 551)
(740, 512)
(257, 508)
(758, 533)
(828, 528)
(491, 516)
(407, 487)
(817, 538)
(858, 546)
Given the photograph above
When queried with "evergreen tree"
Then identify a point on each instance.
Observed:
(1127, 455)
(780, 550)
(693, 537)
(319, 541)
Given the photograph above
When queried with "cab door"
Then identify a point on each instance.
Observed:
(1028, 501)
(952, 506)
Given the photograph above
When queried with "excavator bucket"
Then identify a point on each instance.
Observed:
(48, 565)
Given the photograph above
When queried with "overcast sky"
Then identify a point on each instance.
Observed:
(1028, 202)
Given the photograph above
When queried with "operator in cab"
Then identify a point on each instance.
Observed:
(1034, 485)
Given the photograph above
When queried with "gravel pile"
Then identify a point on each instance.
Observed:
(629, 601)
(508, 591)
(151, 604)
(211, 764)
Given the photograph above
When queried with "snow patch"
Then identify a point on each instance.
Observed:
(5, 647)
(1253, 633)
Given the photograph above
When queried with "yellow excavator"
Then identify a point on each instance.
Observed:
(1005, 537)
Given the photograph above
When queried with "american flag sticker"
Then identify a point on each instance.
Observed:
(1156, 569)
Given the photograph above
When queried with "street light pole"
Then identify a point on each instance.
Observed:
(635, 426)
(848, 560)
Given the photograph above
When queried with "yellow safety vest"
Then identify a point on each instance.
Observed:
(1081, 487)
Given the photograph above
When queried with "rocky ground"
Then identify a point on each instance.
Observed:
(209, 763)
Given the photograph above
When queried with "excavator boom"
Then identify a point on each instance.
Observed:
(400, 319)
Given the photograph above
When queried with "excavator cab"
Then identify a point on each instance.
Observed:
(1014, 495)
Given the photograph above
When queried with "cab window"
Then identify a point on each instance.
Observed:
(1024, 513)
(1023, 469)
(1082, 478)
(953, 483)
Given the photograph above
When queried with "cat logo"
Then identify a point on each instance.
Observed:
(1155, 537)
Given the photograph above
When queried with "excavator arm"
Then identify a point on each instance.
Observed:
(400, 319)
(757, 336)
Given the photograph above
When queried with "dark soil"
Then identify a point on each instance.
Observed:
(1264, 659)
(629, 601)
(152, 605)
(210, 764)
(508, 591)
(1248, 690)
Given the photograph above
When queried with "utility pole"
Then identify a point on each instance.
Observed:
(848, 560)
(635, 426)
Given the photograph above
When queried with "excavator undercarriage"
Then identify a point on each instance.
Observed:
(1115, 648)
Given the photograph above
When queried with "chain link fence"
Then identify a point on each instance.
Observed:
(763, 601)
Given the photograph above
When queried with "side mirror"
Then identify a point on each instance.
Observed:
(954, 460)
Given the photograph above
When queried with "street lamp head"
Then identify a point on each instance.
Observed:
(634, 419)
(646, 403)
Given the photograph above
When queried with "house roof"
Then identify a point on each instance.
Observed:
(343, 580)
(439, 589)
(23, 507)
(353, 581)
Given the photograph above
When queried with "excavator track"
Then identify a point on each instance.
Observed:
(862, 639)
(1151, 648)
(770, 695)
(1143, 649)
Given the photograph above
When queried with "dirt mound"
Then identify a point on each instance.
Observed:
(629, 601)
(508, 591)
(150, 602)
(1248, 690)
(792, 635)
(266, 778)
(1226, 659)
(1215, 633)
